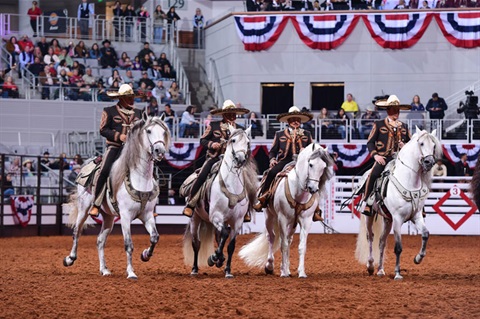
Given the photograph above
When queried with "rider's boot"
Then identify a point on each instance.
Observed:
(94, 211)
(261, 203)
(247, 218)
(188, 211)
(317, 215)
(367, 211)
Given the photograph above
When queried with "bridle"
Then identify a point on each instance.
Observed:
(234, 153)
(152, 145)
(308, 179)
(426, 162)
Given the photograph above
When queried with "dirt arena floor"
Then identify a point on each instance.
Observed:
(35, 284)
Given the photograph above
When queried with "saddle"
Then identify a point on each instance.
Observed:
(273, 187)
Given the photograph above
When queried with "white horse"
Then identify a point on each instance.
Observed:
(135, 190)
(295, 200)
(407, 190)
(232, 193)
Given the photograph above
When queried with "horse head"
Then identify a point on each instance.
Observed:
(238, 145)
(311, 167)
(429, 148)
(156, 136)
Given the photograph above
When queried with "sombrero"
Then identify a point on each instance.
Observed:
(229, 107)
(295, 112)
(124, 90)
(392, 101)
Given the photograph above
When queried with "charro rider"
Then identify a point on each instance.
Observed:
(214, 141)
(386, 138)
(117, 120)
(286, 146)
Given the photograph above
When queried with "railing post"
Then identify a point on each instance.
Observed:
(2, 212)
(38, 202)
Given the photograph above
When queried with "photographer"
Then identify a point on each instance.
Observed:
(470, 107)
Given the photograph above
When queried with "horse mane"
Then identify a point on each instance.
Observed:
(328, 160)
(250, 178)
(475, 184)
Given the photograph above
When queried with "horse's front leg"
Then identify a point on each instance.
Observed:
(150, 226)
(305, 224)
(369, 225)
(270, 226)
(397, 231)
(127, 240)
(218, 258)
(231, 250)
(387, 227)
(420, 224)
(107, 227)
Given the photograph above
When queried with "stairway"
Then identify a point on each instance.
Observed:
(193, 61)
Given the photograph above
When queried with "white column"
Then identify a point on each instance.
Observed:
(24, 20)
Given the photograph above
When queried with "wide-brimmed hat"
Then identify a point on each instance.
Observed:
(124, 90)
(27, 161)
(295, 112)
(228, 108)
(391, 102)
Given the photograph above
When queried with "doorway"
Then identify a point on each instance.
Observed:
(327, 94)
(276, 97)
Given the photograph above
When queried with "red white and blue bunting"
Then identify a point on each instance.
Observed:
(462, 29)
(182, 155)
(452, 152)
(397, 30)
(260, 32)
(352, 155)
(324, 32)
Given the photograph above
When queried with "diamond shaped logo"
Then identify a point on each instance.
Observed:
(458, 192)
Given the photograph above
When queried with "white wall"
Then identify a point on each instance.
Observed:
(432, 65)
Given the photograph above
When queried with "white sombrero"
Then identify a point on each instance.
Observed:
(124, 90)
(229, 107)
(295, 112)
(392, 101)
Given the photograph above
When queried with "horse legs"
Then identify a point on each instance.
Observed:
(420, 224)
(286, 240)
(231, 250)
(152, 230)
(305, 224)
(369, 225)
(107, 227)
(127, 240)
(387, 227)
(397, 228)
(77, 231)
(269, 223)
(218, 258)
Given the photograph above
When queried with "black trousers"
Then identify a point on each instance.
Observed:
(110, 156)
(202, 177)
(272, 173)
(377, 170)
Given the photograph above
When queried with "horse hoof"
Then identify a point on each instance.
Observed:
(417, 259)
(268, 271)
(67, 261)
(133, 277)
(228, 276)
(105, 273)
(144, 256)
(381, 273)
(398, 277)
(284, 275)
(210, 261)
(302, 275)
(194, 273)
(219, 263)
(370, 270)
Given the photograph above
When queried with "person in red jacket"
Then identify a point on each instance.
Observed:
(34, 12)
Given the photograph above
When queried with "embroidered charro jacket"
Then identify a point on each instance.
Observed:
(287, 143)
(216, 132)
(116, 121)
(384, 138)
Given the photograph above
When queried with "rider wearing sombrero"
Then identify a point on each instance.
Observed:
(214, 138)
(286, 146)
(386, 138)
(116, 122)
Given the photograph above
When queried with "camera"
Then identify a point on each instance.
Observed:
(470, 107)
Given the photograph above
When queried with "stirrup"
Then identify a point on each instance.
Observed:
(188, 211)
(367, 211)
(317, 215)
(94, 211)
(247, 218)
(258, 206)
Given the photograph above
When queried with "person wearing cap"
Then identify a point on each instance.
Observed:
(108, 54)
(213, 140)
(154, 72)
(386, 138)
(27, 168)
(366, 123)
(286, 146)
(148, 82)
(116, 123)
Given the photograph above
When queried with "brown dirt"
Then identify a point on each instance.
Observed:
(35, 284)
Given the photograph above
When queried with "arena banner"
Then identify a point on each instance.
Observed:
(260, 32)
(462, 29)
(453, 152)
(55, 21)
(21, 206)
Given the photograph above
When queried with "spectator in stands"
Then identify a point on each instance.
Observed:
(102, 93)
(63, 82)
(146, 50)
(462, 168)
(160, 92)
(117, 15)
(115, 77)
(444, 4)
(7, 186)
(144, 93)
(367, 121)
(198, 24)
(77, 160)
(424, 5)
(350, 106)
(108, 55)
(51, 57)
(147, 62)
(130, 79)
(10, 89)
(137, 64)
(71, 49)
(149, 84)
(94, 52)
(57, 49)
(80, 67)
(325, 119)
(416, 104)
(158, 19)
(167, 73)
(88, 78)
(256, 123)
(79, 89)
(61, 162)
(25, 58)
(129, 15)
(65, 56)
(401, 5)
(337, 164)
(174, 96)
(2, 80)
(125, 62)
(36, 68)
(340, 5)
(63, 66)
(253, 5)
(162, 60)
(413, 4)
(114, 86)
(85, 11)
(436, 106)
(143, 15)
(14, 49)
(47, 80)
(28, 169)
(189, 126)
(305, 5)
(341, 121)
(43, 45)
(15, 167)
(24, 42)
(154, 72)
(81, 51)
(169, 117)
(152, 107)
(72, 177)
(172, 18)
(45, 162)
(37, 52)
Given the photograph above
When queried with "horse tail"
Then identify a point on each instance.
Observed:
(72, 208)
(255, 253)
(362, 249)
(475, 184)
(206, 236)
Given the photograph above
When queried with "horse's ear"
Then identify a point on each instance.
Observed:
(313, 146)
(144, 117)
(249, 131)
(434, 132)
(231, 128)
(417, 130)
(162, 116)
